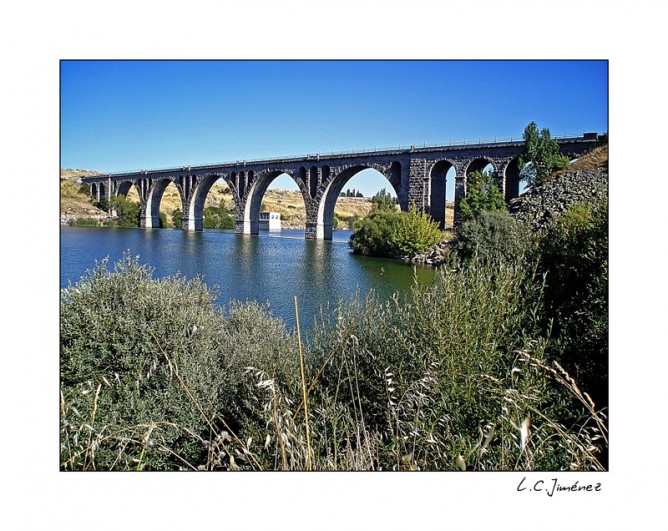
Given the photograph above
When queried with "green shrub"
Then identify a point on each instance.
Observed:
(415, 233)
(177, 218)
(455, 373)
(373, 234)
(151, 369)
(494, 237)
(385, 232)
(85, 222)
(573, 256)
(482, 194)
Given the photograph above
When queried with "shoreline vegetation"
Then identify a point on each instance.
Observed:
(500, 364)
(461, 379)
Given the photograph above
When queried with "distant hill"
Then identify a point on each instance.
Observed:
(75, 175)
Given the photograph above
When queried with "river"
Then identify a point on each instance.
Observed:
(270, 268)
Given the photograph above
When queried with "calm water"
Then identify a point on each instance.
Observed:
(271, 268)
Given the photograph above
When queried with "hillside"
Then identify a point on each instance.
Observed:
(74, 203)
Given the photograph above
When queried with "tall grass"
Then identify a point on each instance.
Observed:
(155, 377)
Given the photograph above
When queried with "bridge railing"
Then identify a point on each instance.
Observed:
(331, 154)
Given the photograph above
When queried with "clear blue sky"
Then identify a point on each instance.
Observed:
(125, 115)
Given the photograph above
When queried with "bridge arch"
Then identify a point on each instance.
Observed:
(480, 164)
(193, 205)
(511, 179)
(123, 187)
(150, 215)
(333, 186)
(248, 209)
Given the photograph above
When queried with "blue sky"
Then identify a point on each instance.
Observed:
(125, 115)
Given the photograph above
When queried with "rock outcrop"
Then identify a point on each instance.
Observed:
(537, 206)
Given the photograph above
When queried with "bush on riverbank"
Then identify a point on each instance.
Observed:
(154, 377)
(218, 218)
(494, 236)
(386, 232)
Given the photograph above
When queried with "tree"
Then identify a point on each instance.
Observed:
(540, 156)
(383, 201)
(482, 195)
(128, 212)
(386, 232)
(218, 218)
(102, 204)
(415, 233)
(177, 218)
(373, 234)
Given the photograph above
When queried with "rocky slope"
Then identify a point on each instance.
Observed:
(584, 181)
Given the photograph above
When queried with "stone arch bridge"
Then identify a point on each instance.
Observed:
(417, 175)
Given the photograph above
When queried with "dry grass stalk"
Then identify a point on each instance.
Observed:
(301, 366)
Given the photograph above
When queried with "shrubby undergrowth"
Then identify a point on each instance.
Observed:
(570, 256)
(155, 377)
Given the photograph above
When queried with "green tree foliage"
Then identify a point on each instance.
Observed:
(102, 204)
(218, 218)
(573, 256)
(540, 156)
(128, 212)
(482, 194)
(373, 234)
(388, 233)
(177, 218)
(383, 201)
(415, 233)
